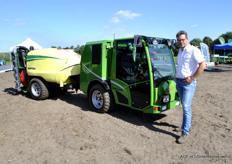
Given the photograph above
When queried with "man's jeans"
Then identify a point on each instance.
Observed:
(186, 93)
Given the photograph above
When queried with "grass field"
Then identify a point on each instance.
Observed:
(5, 56)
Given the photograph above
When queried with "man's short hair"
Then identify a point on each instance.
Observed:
(181, 33)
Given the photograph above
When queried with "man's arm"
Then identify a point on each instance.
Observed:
(199, 71)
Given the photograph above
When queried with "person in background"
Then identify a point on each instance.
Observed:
(190, 64)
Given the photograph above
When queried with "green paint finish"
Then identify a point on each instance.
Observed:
(39, 57)
(138, 76)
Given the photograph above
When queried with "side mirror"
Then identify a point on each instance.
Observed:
(173, 43)
(155, 42)
(31, 48)
(138, 41)
(169, 42)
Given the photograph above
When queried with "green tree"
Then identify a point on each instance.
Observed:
(81, 50)
(5, 56)
(196, 42)
(207, 40)
(176, 50)
(77, 48)
(226, 36)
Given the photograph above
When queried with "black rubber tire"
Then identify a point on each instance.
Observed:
(100, 99)
(39, 90)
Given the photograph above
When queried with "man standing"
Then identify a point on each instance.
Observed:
(190, 64)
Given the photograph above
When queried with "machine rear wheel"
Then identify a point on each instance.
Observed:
(38, 89)
(100, 99)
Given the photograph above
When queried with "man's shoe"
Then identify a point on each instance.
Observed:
(178, 130)
(183, 138)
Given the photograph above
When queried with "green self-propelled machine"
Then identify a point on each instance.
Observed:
(136, 72)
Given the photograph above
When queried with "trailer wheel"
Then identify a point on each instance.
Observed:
(100, 99)
(38, 89)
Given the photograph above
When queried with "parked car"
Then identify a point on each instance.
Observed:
(2, 62)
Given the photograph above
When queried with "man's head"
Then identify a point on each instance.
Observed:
(182, 39)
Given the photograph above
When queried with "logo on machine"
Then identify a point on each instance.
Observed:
(170, 90)
(31, 68)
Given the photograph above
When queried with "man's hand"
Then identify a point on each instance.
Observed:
(188, 80)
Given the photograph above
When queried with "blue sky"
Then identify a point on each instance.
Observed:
(74, 22)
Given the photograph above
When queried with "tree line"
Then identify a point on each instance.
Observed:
(196, 42)
(207, 40)
(78, 49)
(5, 56)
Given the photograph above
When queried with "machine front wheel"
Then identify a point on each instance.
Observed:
(100, 99)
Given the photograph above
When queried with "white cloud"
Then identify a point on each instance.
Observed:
(127, 14)
(114, 20)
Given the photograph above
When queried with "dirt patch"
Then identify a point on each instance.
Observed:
(63, 129)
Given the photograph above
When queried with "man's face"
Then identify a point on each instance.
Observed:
(182, 41)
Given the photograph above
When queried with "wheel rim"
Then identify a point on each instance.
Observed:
(36, 89)
(97, 99)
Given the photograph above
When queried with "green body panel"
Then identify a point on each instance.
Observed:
(91, 71)
(99, 64)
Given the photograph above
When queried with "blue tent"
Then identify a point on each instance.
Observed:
(225, 46)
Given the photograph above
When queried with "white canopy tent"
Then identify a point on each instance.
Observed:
(28, 43)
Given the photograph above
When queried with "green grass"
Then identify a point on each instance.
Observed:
(5, 56)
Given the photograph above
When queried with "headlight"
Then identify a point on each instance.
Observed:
(177, 103)
(166, 98)
(164, 107)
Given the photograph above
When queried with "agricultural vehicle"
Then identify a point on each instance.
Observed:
(42, 71)
(136, 72)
